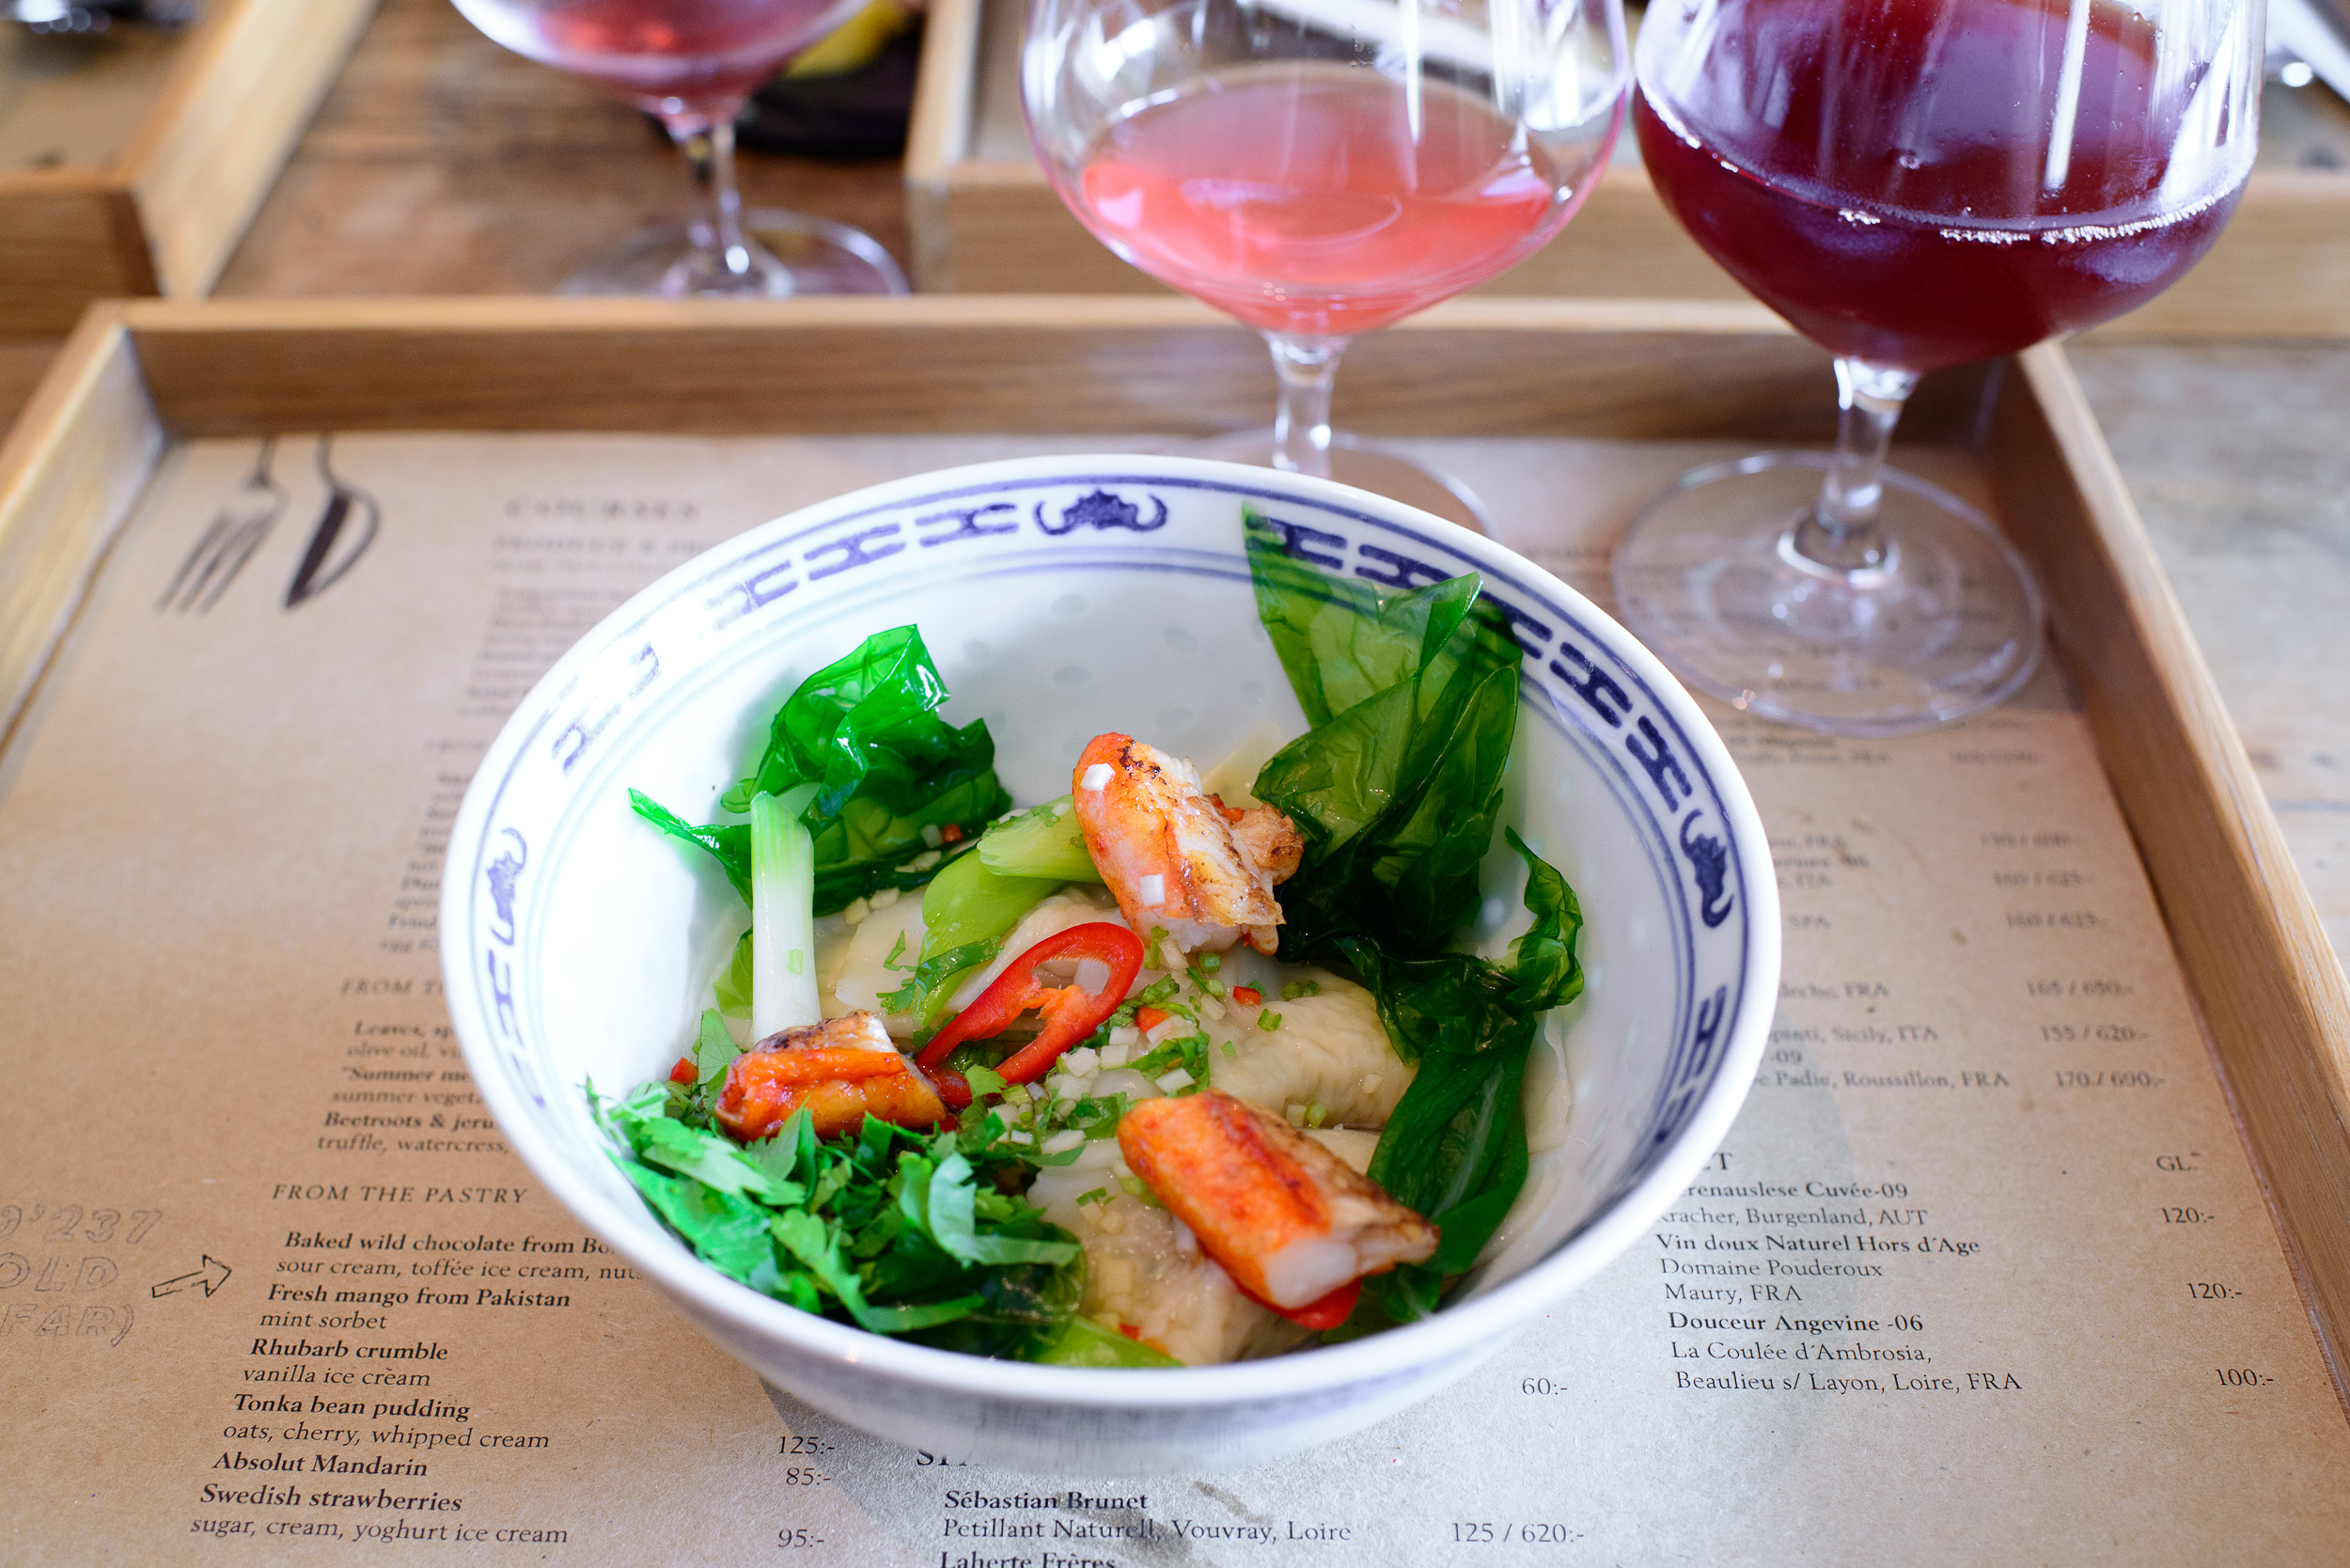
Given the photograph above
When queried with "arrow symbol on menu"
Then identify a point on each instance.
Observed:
(213, 1276)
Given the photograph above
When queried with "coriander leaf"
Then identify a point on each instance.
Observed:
(931, 986)
(787, 1151)
(714, 1049)
(901, 1320)
(946, 1212)
(729, 1232)
(818, 1246)
(714, 1160)
(732, 989)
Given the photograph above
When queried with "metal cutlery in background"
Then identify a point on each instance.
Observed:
(97, 16)
(320, 568)
(236, 532)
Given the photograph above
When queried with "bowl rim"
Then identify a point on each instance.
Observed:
(1464, 1329)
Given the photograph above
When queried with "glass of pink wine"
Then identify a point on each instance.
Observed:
(1318, 168)
(691, 64)
(1912, 184)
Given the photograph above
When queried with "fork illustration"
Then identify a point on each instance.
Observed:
(236, 532)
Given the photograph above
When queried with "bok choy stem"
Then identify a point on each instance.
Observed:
(783, 913)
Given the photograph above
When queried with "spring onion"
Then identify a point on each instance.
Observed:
(783, 913)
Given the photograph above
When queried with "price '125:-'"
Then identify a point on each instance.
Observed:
(1488, 1532)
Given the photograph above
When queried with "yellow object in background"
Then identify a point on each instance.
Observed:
(856, 42)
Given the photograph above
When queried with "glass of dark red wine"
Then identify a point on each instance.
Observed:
(1912, 184)
(691, 64)
(1321, 167)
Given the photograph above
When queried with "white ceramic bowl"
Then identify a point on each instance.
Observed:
(1062, 596)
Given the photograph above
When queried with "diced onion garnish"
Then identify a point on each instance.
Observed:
(1151, 889)
(1171, 1081)
(1061, 1142)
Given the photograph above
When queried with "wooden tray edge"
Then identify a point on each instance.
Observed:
(2254, 951)
(2257, 961)
(79, 457)
(204, 160)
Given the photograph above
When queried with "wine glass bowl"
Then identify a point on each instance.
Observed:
(691, 64)
(1912, 184)
(1319, 168)
(695, 58)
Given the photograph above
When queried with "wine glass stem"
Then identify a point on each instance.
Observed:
(1306, 366)
(707, 142)
(1841, 532)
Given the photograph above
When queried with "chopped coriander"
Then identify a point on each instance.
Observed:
(1202, 980)
(899, 1232)
(897, 952)
(1099, 1196)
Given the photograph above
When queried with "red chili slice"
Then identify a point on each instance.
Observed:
(952, 1086)
(685, 1073)
(1070, 1012)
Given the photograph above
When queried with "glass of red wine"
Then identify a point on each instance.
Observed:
(1912, 184)
(1318, 168)
(691, 64)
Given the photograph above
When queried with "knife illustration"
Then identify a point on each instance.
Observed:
(346, 507)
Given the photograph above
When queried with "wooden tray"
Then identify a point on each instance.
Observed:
(984, 221)
(135, 169)
(139, 376)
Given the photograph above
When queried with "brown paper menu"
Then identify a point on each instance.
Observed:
(1982, 1271)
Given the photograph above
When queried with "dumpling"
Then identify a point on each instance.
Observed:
(1144, 1268)
(1331, 1050)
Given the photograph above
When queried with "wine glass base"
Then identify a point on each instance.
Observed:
(1946, 626)
(1364, 463)
(800, 255)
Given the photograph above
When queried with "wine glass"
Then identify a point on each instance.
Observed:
(1321, 167)
(1912, 183)
(691, 64)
